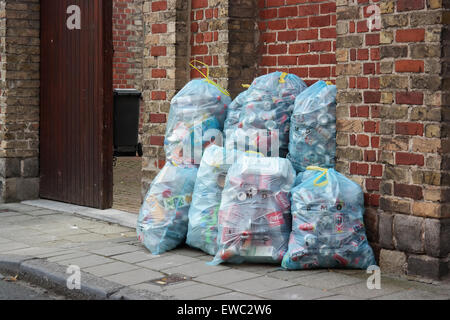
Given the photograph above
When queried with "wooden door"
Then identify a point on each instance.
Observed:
(76, 102)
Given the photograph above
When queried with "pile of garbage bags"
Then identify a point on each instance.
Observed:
(163, 217)
(197, 114)
(254, 215)
(251, 201)
(327, 223)
(313, 128)
(258, 119)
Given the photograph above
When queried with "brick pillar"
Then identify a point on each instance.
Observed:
(165, 70)
(390, 122)
(19, 100)
(209, 37)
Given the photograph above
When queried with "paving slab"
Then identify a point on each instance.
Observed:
(195, 292)
(133, 277)
(135, 257)
(413, 294)
(110, 268)
(87, 261)
(194, 269)
(115, 250)
(296, 293)
(293, 275)
(167, 262)
(9, 247)
(234, 296)
(225, 277)
(340, 297)
(328, 280)
(360, 290)
(69, 256)
(258, 285)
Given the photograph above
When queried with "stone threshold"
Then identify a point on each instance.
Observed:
(122, 218)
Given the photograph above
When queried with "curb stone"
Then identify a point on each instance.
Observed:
(53, 276)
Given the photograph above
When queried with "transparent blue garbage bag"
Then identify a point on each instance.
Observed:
(258, 119)
(327, 224)
(197, 114)
(202, 230)
(313, 128)
(254, 215)
(163, 217)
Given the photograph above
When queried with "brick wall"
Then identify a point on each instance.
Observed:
(128, 41)
(298, 37)
(390, 129)
(128, 33)
(19, 101)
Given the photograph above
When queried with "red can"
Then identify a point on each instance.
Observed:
(264, 182)
(282, 200)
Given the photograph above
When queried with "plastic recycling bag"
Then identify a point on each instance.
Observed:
(313, 128)
(258, 119)
(197, 114)
(163, 217)
(203, 212)
(327, 224)
(254, 216)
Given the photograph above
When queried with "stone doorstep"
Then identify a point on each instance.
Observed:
(54, 277)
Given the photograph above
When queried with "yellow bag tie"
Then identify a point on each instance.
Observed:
(255, 152)
(324, 172)
(329, 83)
(246, 86)
(282, 77)
(207, 79)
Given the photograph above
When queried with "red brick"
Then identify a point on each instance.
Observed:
(319, 21)
(157, 118)
(297, 23)
(376, 170)
(373, 184)
(409, 128)
(362, 140)
(196, 4)
(408, 5)
(410, 35)
(287, 36)
(404, 158)
(311, 34)
(409, 66)
(158, 51)
(372, 96)
(298, 48)
(158, 95)
(287, 12)
(408, 191)
(159, 6)
(370, 155)
(276, 25)
(415, 98)
(157, 140)
(159, 73)
(278, 49)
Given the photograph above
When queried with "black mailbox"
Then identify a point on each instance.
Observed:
(126, 123)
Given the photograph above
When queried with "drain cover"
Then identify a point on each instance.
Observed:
(173, 278)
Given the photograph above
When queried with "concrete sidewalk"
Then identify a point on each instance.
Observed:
(42, 243)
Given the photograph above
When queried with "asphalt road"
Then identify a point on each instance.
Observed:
(20, 290)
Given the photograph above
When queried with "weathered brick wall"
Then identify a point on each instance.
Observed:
(390, 129)
(128, 43)
(165, 71)
(298, 36)
(128, 33)
(19, 102)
